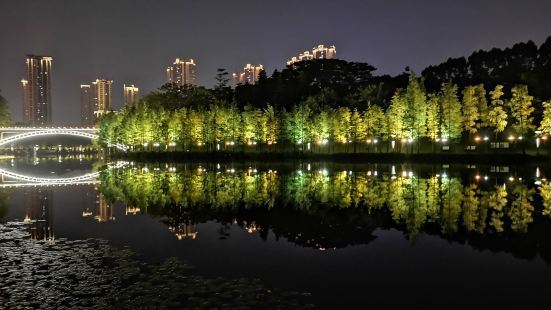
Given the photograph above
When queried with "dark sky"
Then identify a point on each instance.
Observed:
(133, 41)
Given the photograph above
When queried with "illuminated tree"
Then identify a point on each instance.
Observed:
(521, 109)
(297, 124)
(341, 125)
(433, 117)
(545, 125)
(416, 111)
(195, 128)
(374, 122)
(357, 132)
(395, 116)
(470, 110)
(545, 193)
(250, 117)
(273, 125)
(176, 125)
(480, 94)
(451, 112)
(320, 129)
(497, 117)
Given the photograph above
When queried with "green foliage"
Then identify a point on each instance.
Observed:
(545, 125)
(395, 116)
(451, 112)
(416, 111)
(470, 110)
(497, 117)
(433, 117)
(521, 109)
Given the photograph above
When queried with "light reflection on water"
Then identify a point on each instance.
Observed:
(327, 222)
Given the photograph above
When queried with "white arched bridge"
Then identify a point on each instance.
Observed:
(10, 135)
(22, 180)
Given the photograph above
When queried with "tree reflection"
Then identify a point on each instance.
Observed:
(324, 209)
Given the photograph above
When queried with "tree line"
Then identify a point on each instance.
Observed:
(414, 116)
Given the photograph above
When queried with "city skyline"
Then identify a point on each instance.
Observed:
(390, 37)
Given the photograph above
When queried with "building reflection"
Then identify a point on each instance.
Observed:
(95, 205)
(184, 231)
(39, 213)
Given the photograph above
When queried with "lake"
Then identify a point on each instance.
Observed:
(341, 235)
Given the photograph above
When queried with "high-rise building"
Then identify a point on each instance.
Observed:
(131, 95)
(181, 72)
(249, 75)
(37, 94)
(322, 52)
(87, 106)
(102, 90)
(95, 100)
(318, 52)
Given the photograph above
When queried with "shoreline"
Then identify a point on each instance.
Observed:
(335, 157)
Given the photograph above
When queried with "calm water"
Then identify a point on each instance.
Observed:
(369, 234)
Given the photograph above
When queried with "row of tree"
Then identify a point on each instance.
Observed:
(413, 115)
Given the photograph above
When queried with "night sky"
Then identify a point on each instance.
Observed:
(134, 41)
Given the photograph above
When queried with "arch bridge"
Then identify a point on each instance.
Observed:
(10, 135)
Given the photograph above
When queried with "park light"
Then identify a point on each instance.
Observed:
(511, 138)
(520, 137)
(404, 140)
(477, 138)
(393, 143)
(444, 140)
(511, 179)
(477, 177)
(410, 140)
(486, 138)
(375, 141)
(156, 144)
(172, 144)
(368, 141)
(145, 144)
(308, 145)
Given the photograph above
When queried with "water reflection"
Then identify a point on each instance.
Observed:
(323, 206)
(329, 208)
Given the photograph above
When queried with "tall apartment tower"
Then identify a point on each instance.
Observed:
(102, 90)
(181, 72)
(131, 95)
(87, 106)
(37, 94)
(249, 75)
(95, 100)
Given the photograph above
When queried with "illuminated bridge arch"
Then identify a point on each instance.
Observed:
(21, 133)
